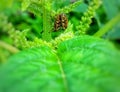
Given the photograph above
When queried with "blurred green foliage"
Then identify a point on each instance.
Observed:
(22, 24)
(27, 20)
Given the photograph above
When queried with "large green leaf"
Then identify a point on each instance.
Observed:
(90, 65)
(81, 64)
(33, 70)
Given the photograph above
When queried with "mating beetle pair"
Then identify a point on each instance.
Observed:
(61, 21)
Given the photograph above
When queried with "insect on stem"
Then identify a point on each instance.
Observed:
(61, 22)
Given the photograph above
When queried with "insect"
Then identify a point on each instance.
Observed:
(61, 21)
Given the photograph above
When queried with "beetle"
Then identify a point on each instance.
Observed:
(61, 21)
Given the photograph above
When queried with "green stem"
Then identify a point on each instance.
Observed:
(8, 47)
(108, 26)
(46, 22)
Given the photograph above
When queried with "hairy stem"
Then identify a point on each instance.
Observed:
(46, 21)
(108, 26)
(8, 47)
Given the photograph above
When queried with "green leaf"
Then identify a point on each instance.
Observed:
(33, 70)
(81, 64)
(111, 7)
(25, 4)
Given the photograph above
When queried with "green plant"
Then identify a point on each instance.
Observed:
(72, 61)
(79, 64)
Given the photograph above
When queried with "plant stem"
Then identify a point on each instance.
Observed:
(8, 47)
(46, 22)
(108, 26)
